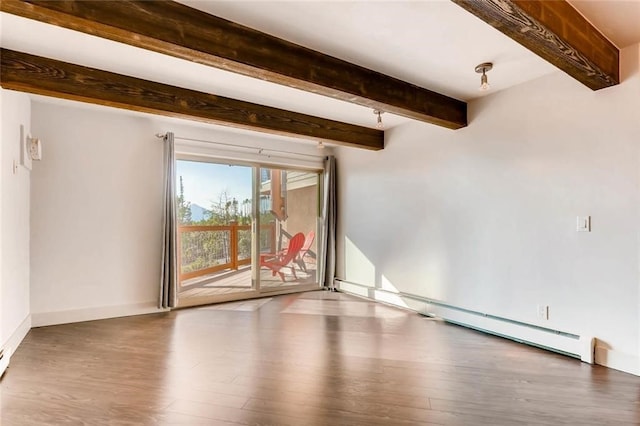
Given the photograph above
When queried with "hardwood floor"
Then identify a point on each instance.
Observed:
(314, 358)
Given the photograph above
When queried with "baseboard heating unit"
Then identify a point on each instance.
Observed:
(581, 347)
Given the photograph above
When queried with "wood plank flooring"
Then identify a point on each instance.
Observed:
(316, 358)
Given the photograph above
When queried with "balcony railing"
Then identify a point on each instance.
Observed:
(207, 249)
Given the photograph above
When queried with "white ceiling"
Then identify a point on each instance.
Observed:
(434, 44)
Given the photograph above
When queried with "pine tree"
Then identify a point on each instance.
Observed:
(184, 207)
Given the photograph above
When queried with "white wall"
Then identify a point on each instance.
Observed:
(484, 218)
(96, 208)
(96, 214)
(14, 224)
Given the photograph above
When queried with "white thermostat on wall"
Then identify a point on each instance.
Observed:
(35, 148)
(584, 224)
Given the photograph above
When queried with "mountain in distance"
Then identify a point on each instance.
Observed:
(199, 213)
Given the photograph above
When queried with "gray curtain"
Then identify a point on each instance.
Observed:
(169, 278)
(327, 270)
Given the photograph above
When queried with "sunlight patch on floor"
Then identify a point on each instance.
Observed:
(342, 308)
(244, 305)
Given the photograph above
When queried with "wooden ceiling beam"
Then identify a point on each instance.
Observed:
(557, 32)
(175, 29)
(50, 77)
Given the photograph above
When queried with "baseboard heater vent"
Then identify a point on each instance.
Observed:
(4, 361)
(581, 347)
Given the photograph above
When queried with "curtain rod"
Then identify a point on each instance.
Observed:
(261, 151)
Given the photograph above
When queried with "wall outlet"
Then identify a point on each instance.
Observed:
(543, 312)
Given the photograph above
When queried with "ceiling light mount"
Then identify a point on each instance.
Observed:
(483, 68)
(379, 123)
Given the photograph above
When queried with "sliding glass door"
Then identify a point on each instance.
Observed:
(244, 230)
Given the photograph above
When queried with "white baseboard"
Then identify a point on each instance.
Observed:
(581, 347)
(617, 360)
(12, 343)
(41, 319)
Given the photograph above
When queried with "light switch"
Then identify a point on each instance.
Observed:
(584, 224)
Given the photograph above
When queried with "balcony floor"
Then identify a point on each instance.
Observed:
(240, 281)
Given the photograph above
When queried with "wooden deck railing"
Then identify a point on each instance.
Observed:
(207, 249)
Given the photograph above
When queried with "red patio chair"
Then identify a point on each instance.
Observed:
(303, 251)
(283, 259)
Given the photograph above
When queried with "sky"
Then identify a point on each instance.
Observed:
(204, 182)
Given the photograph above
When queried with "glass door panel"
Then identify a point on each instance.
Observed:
(214, 231)
(288, 228)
